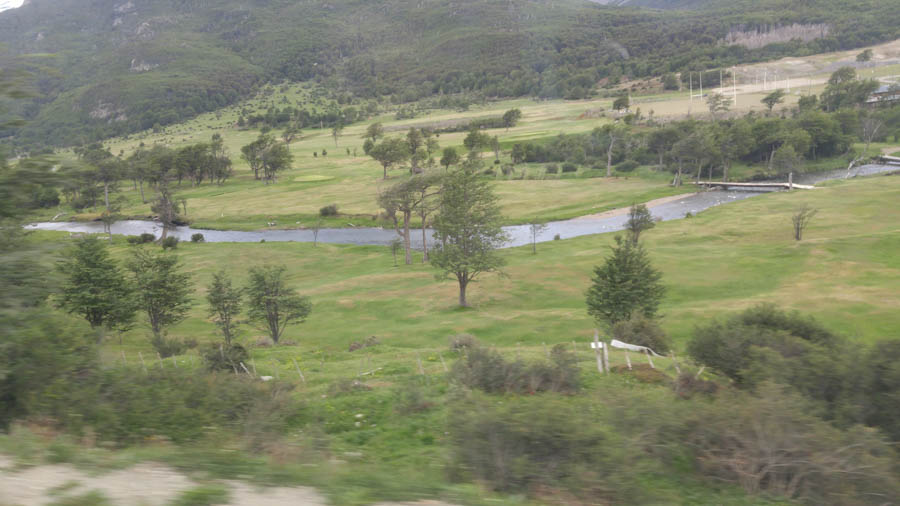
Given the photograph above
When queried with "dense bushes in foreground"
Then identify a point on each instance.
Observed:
(604, 446)
(506, 426)
(51, 371)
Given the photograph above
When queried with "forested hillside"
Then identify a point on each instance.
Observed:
(108, 67)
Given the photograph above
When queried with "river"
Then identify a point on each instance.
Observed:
(664, 209)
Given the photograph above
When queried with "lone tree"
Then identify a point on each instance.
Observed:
(390, 152)
(450, 157)
(639, 220)
(406, 198)
(224, 305)
(535, 229)
(467, 228)
(290, 134)
(374, 132)
(718, 104)
(272, 304)
(625, 284)
(94, 288)
(163, 291)
(511, 117)
(773, 99)
(801, 219)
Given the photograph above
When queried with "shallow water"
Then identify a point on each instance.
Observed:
(520, 235)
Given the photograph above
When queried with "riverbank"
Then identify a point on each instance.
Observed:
(672, 207)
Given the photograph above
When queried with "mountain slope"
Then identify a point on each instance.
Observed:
(125, 65)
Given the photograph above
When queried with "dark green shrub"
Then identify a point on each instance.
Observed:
(533, 443)
(569, 167)
(170, 242)
(146, 238)
(815, 463)
(642, 331)
(44, 355)
(167, 347)
(225, 358)
(627, 166)
(552, 168)
(329, 210)
(198, 237)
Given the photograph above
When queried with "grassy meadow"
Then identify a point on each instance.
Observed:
(727, 258)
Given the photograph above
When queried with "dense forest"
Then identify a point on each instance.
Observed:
(162, 61)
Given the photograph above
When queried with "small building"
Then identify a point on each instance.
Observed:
(885, 93)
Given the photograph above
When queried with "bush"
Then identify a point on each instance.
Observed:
(507, 169)
(461, 342)
(488, 371)
(688, 384)
(569, 167)
(813, 462)
(167, 347)
(552, 168)
(627, 166)
(329, 210)
(366, 343)
(745, 345)
(140, 239)
(225, 358)
(535, 443)
(198, 237)
(642, 331)
(170, 242)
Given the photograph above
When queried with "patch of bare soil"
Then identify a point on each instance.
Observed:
(146, 484)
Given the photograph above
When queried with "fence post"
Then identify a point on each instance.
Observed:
(675, 362)
(597, 351)
(606, 356)
(627, 359)
(649, 359)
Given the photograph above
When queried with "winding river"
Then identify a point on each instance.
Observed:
(671, 208)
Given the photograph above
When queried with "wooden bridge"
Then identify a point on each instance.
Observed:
(725, 184)
(890, 160)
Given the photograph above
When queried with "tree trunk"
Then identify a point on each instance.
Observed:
(609, 159)
(424, 241)
(406, 243)
(142, 192)
(106, 195)
(771, 157)
(462, 292)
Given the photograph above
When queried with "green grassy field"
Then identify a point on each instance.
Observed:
(723, 260)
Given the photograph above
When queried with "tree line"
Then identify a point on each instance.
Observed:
(818, 127)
